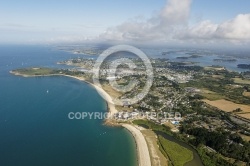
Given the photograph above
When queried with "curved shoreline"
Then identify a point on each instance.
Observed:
(111, 107)
(141, 145)
(143, 156)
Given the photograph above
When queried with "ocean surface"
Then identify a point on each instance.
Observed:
(34, 126)
(206, 58)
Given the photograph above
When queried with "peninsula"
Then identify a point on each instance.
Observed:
(193, 104)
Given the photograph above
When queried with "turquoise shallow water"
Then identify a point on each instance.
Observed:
(34, 124)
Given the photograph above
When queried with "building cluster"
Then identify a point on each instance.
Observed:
(174, 75)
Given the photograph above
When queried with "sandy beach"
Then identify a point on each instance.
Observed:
(104, 94)
(141, 144)
(142, 147)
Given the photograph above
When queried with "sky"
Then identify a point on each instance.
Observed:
(176, 22)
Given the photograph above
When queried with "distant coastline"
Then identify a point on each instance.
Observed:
(243, 66)
(224, 60)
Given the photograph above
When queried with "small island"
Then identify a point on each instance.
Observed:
(194, 55)
(182, 57)
(243, 66)
(224, 60)
(191, 56)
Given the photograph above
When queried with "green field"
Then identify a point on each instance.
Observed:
(153, 126)
(36, 71)
(46, 72)
(212, 96)
(176, 153)
(241, 81)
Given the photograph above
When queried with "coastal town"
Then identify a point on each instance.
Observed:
(183, 100)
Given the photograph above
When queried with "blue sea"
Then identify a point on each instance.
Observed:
(34, 126)
(206, 57)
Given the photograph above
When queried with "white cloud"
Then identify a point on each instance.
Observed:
(159, 27)
(171, 25)
(175, 12)
(203, 30)
(236, 29)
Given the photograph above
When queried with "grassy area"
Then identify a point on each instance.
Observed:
(247, 94)
(211, 158)
(157, 158)
(49, 71)
(121, 108)
(112, 92)
(176, 153)
(218, 76)
(36, 71)
(207, 91)
(220, 87)
(212, 96)
(228, 106)
(153, 126)
(241, 81)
